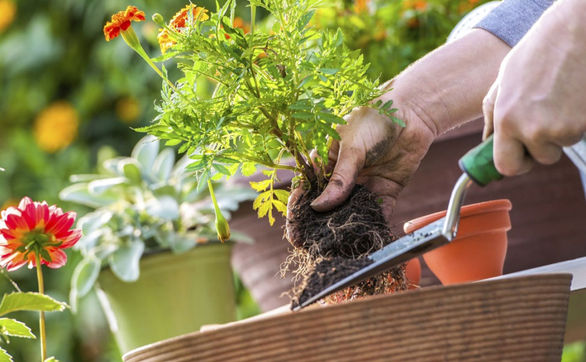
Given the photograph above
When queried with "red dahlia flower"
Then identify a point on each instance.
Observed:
(34, 228)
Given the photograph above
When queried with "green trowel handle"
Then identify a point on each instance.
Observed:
(478, 163)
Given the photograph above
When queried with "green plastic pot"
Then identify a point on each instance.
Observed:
(175, 294)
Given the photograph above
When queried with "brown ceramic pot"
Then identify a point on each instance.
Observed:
(480, 246)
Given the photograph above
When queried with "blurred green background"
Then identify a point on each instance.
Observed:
(66, 93)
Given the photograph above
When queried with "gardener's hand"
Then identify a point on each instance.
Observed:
(377, 153)
(537, 104)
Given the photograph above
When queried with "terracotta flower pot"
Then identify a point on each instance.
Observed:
(479, 249)
(413, 273)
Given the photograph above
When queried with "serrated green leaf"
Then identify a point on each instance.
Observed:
(248, 168)
(398, 121)
(13, 328)
(302, 105)
(280, 206)
(332, 133)
(260, 185)
(222, 169)
(303, 115)
(4, 356)
(257, 202)
(264, 209)
(19, 301)
(271, 218)
(332, 118)
(329, 71)
(305, 19)
(173, 142)
(282, 195)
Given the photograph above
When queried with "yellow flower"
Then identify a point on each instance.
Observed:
(56, 127)
(7, 13)
(128, 109)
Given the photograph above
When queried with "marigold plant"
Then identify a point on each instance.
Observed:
(280, 91)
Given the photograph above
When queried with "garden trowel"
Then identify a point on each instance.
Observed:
(477, 166)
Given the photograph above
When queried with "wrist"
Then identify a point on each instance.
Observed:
(445, 88)
(413, 100)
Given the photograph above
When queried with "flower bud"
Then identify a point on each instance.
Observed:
(131, 39)
(222, 227)
(158, 19)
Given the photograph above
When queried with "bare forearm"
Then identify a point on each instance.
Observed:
(446, 87)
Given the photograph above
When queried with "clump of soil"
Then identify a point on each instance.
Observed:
(332, 245)
(330, 271)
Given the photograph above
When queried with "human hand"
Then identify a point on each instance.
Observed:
(536, 106)
(375, 152)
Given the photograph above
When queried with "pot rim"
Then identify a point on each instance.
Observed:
(466, 211)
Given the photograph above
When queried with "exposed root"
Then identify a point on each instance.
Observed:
(332, 245)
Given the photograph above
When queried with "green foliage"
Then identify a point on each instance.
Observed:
(281, 90)
(145, 202)
(392, 34)
(13, 328)
(574, 352)
(19, 301)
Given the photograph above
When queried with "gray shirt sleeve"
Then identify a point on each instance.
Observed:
(513, 18)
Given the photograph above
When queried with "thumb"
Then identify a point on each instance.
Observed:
(349, 161)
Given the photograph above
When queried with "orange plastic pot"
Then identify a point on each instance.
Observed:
(480, 246)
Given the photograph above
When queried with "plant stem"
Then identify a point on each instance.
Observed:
(42, 314)
(213, 196)
(147, 59)
(5, 274)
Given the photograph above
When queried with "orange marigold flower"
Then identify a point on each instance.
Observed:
(419, 5)
(360, 6)
(178, 23)
(180, 19)
(35, 228)
(240, 23)
(121, 21)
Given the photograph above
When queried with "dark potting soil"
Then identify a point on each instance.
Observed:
(351, 230)
(333, 245)
(328, 272)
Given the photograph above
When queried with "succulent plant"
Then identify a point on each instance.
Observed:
(142, 204)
